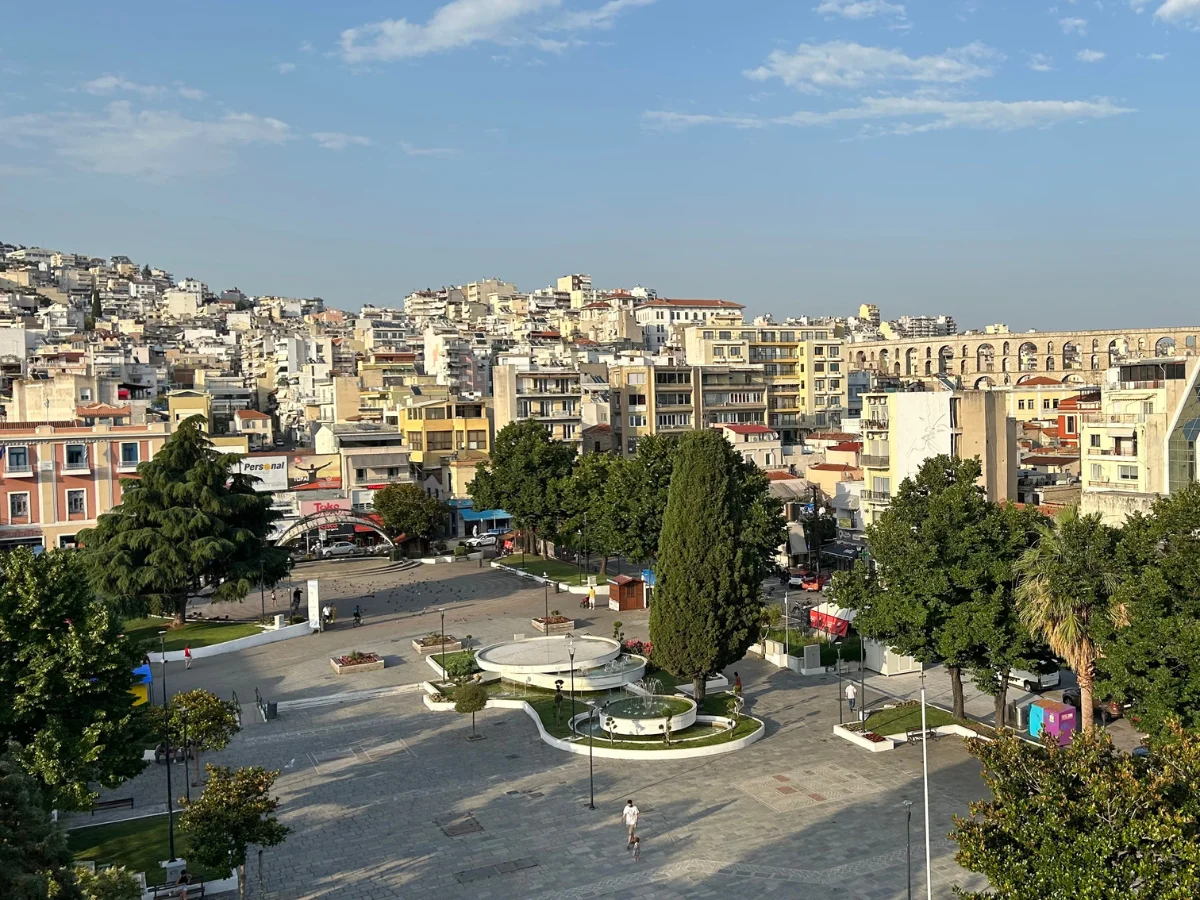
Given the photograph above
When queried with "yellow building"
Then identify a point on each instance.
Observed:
(1036, 398)
(438, 430)
(182, 405)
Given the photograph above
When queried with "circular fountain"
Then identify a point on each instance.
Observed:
(645, 716)
(598, 664)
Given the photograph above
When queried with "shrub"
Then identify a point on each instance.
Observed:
(460, 551)
(461, 665)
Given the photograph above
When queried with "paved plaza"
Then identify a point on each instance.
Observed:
(388, 799)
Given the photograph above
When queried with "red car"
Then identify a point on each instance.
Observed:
(814, 582)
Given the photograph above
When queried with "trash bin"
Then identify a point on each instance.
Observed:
(272, 710)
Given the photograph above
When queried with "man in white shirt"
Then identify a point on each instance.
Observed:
(629, 815)
(851, 695)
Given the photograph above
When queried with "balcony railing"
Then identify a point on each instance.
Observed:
(1140, 385)
(875, 423)
(1094, 418)
(1111, 451)
(877, 496)
(18, 468)
(874, 461)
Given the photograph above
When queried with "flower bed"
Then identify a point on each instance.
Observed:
(437, 643)
(356, 662)
(554, 625)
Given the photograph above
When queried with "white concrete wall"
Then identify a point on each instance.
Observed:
(254, 640)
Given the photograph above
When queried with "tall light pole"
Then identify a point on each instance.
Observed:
(925, 766)
(546, 594)
(162, 649)
(187, 778)
(908, 842)
(442, 633)
(787, 630)
(838, 646)
(262, 594)
(587, 550)
(571, 653)
(593, 713)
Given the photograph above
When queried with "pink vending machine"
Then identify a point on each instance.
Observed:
(1059, 720)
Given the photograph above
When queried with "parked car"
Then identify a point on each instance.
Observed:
(795, 577)
(484, 540)
(814, 582)
(339, 548)
(1110, 710)
(1032, 682)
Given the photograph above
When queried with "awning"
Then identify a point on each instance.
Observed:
(831, 618)
(471, 515)
(796, 543)
(843, 550)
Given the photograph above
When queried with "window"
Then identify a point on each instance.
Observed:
(360, 475)
(835, 384)
(76, 456)
(735, 351)
(1097, 472)
(436, 412)
(85, 395)
(1094, 440)
(1055, 403)
(819, 384)
(1148, 407)
(568, 431)
(18, 459)
(129, 454)
(835, 367)
(1127, 473)
(636, 400)
(1020, 404)
(708, 335)
(636, 378)
(1045, 404)
(18, 506)
(76, 503)
(415, 440)
(820, 400)
(818, 351)
(724, 335)
(440, 440)
(675, 420)
(393, 472)
(787, 337)
(476, 440)
(1070, 424)
(637, 420)
(719, 352)
(819, 367)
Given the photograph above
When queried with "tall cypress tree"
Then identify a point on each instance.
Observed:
(718, 531)
(188, 523)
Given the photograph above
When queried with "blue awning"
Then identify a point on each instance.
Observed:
(471, 515)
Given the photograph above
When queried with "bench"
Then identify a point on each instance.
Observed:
(175, 891)
(916, 734)
(102, 805)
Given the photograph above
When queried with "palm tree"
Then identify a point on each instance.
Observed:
(1067, 580)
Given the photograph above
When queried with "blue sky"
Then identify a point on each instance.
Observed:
(1032, 163)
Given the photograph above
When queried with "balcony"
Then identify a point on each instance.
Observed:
(1114, 418)
(1112, 451)
(877, 496)
(17, 470)
(875, 424)
(872, 461)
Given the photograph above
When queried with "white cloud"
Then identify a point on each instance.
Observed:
(107, 85)
(1187, 11)
(844, 64)
(285, 68)
(602, 16)
(337, 140)
(306, 47)
(413, 150)
(1153, 57)
(1090, 56)
(1040, 62)
(860, 9)
(915, 115)
(151, 144)
(459, 23)
(1073, 25)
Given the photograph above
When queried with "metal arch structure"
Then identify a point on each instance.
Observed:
(329, 517)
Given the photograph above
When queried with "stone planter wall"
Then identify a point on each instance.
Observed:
(453, 645)
(557, 628)
(358, 667)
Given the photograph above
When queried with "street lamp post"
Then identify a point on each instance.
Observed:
(838, 646)
(546, 595)
(787, 630)
(187, 778)
(262, 594)
(571, 653)
(908, 842)
(594, 713)
(587, 550)
(925, 767)
(442, 633)
(162, 649)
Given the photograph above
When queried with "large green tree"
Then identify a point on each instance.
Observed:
(636, 497)
(235, 811)
(586, 525)
(719, 532)
(407, 510)
(1154, 660)
(208, 722)
(525, 476)
(189, 522)
(942, 584)
(66, 676)
(35, 863)
(1085, 822)
(1065, 595)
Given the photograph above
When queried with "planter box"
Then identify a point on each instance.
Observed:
(855, 738)
(453, 645)
(556, 628)
(356, 667)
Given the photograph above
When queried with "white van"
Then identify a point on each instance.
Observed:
(1033, 683)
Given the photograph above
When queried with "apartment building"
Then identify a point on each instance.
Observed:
(439, 429)
(256, 426)
(1036, 398)
(1141, 442)
(900, 430)
(756, 444)
(660, 318)
(57, 477)
(804, 368)
(552, 394)
(371, 457)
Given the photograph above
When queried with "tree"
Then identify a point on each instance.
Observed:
(525, 476)
(1065, 595)
(406, 509)
(719, 530)
(1084, 821)
(66, 676)
(636, 497)
(235, 811)
(146, 270)
(208, 722)
(470, 698)
(587, 515)
(96, 311)
(942, 567)
(35, 863)
(114, 883)
(188, 522)
(1153, 662)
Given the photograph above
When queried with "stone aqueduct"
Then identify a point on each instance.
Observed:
(1013, 357)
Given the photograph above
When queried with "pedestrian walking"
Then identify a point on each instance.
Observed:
(851, 695)
(296, 601)
(629, 815)
(737, 685)
(558, 702)
(637, 848)
(591, 598)
(187, 656)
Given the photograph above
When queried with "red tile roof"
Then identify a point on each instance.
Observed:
(832, 467)
(848, 447)
(1049, 459)
(832, 436)
(782, 476)
(250, 414)
(720, 304)
(748, 429)
(1040, 381)
(101, 410)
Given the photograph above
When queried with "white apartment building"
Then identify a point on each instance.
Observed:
(659, 317)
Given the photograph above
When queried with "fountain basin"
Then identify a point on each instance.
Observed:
(645, 716)
(619, 672)
(547, 655)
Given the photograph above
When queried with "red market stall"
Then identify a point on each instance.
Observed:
(831, 619)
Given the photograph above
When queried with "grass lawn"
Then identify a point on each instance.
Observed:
(555, 568)
(797, 639)
(193, 634)
(908, 718)
(139, 845)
